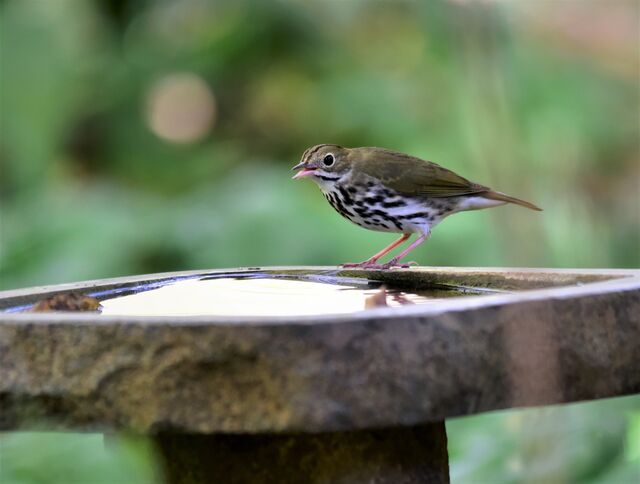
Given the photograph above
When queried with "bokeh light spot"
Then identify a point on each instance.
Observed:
(181, 108)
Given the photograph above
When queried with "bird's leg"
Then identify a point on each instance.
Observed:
(394, 262)
(371, 261)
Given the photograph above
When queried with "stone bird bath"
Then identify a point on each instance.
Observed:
(280, 375)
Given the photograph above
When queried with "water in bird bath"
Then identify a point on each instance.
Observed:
(271, 296)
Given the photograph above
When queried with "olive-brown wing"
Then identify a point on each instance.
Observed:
(413, 176)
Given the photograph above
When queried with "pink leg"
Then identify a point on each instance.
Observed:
(371, 261)
(401, 255)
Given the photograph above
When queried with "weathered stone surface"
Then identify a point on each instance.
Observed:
(404, 455)
(381, 368)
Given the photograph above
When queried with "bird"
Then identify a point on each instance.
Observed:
(389, 191)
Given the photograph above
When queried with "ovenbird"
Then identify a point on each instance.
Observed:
(388, 191)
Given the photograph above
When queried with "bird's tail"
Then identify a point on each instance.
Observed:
(491, 195)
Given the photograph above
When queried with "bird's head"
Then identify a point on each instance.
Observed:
(324, 164)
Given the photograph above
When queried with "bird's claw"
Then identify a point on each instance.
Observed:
(352, 265)
(409, 264)
(361, 265)
(373, 266)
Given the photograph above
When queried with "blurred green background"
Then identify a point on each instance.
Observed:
(145, 136)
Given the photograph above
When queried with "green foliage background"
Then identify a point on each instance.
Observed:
(538, 99)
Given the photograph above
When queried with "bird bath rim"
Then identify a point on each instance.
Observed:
(575, 282)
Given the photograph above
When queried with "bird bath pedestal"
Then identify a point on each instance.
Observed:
(313, 388)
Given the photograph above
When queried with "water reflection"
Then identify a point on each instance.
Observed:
(263, 297)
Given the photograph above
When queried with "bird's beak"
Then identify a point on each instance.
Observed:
(304, 170)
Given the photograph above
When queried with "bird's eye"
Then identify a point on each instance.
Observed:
(328, 160)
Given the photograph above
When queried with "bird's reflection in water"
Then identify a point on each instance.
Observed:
(383, 297)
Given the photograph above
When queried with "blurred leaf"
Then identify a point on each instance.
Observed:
(633, 437)
(51, 458)
(580, 442)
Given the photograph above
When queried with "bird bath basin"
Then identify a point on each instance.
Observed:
(267, 293)
(314, 372)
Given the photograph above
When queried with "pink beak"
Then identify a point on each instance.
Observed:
(304, 171)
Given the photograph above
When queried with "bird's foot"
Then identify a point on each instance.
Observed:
(361, 265)
(393, 263)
